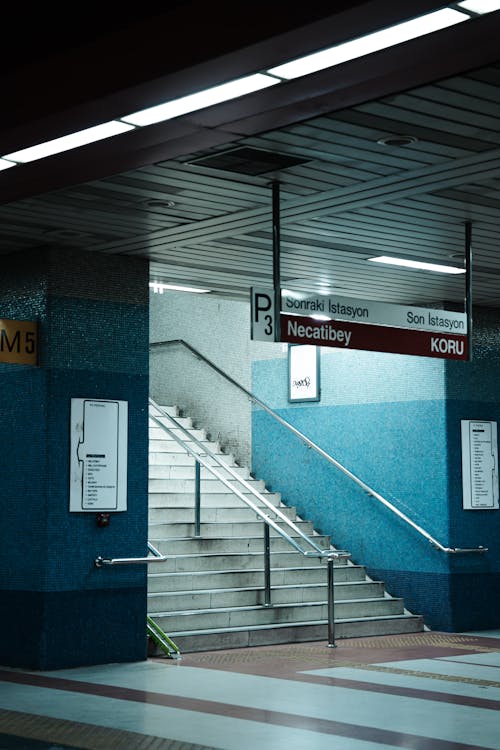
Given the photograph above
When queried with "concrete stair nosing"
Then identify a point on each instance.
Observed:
(243, 637)
(249, 615)
(212, 529)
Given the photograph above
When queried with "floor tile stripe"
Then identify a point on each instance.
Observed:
(324, 726)
(84, 736)
(428, 695)
(421, 673)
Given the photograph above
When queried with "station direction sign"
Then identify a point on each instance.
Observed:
(296, 329)
(376, 313)
(350, 323)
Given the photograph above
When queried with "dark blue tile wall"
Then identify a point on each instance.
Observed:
(93, 317)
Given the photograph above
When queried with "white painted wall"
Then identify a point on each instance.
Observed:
(220, 330)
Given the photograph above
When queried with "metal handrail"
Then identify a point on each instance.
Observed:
(365, 487)
(258, 511)
(330, 555)
(100, 561)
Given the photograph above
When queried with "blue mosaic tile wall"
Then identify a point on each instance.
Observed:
(387, 419)
(93, 326)
(473, 393)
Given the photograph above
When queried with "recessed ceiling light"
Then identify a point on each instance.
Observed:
(416, 264)
(158, 203)
(397, 140)
(66, 234)
(159, 288)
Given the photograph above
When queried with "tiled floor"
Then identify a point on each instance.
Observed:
(427, 691)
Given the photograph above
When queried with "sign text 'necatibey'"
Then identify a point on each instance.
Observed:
(341, 334)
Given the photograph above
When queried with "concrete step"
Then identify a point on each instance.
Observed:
(211, 499)
(172, 410)
(195, 545)
(164, 458)
(171, 446)
(207, 485)
(217, 515)
(161, 527)
(162, 444)
(244, 597)
(187, 472)
(161, 581)
(251, 616)
(185, 422)
(230, 561)
(300, 632)
(157, 433)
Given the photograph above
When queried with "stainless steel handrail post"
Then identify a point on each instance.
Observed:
(267, 566)
(331, 602)
(197, 498)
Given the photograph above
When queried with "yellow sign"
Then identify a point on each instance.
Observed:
(19, 342)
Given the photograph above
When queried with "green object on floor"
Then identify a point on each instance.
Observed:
(162, 640)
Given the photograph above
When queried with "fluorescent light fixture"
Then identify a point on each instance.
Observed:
(201, 99)
(320, 317)
(158, 288)
(416, 264)
(480, 6)
(366, 45)
(68, 142)
(332, 56)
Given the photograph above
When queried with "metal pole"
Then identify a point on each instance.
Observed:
(468, 286)
(276, 261)
(197, 499)
(267, 566)
(331, 605)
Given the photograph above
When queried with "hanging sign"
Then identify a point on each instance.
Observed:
(262, 315)
(376, 313)
(19, 342)
(479, 465)
(300, 330)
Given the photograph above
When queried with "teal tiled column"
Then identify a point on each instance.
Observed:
(57, 609)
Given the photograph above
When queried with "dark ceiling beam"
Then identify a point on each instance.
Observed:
(454, 50)
(164, 55)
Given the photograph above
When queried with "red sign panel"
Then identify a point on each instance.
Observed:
(343, 335)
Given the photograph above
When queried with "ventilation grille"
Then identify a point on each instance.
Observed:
(250, 161)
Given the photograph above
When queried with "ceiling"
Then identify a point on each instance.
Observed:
(348, 193)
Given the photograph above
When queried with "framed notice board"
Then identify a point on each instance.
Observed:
(479, 465)
(303, 373)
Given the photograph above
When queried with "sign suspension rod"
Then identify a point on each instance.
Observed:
(276, 260)
(468, 286)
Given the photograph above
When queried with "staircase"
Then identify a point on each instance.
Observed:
(210, 593)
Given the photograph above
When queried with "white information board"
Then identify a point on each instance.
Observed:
(98, 466)
(479, 465)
